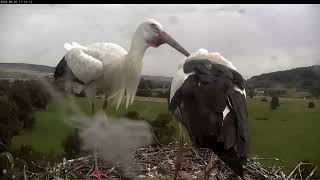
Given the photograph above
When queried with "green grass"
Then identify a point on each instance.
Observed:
(289, 133)
(50, 128)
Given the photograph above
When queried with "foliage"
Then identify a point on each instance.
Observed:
(134, 115)
(153, 93)
(164, 133)
(250, 91)
(305, 78)
(72, 144)
(38, 95)
(18, 100)
(18, 93)
(9, 121)
(311, 105)
(264, 99)
(144, 92)
(25, 157)
(153, 84)
(274, 104)
(4, 86)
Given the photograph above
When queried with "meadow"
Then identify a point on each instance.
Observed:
(290, 133)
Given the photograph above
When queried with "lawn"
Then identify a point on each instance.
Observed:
(50, 128)
(289, 133)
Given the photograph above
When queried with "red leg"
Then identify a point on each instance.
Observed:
(96, 172)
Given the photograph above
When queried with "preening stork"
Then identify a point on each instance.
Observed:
(110, 68)
(207, 96)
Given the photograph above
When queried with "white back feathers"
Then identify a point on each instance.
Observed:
(180, 76)
(215, 57)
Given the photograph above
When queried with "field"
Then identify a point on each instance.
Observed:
(290, 133)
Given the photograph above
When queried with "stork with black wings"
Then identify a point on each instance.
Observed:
(208, 98)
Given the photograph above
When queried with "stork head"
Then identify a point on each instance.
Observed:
(154, 36)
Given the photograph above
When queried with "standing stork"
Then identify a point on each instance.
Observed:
(109, 67)
(208, 97)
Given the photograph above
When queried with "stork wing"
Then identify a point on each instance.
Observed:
(206, 67)
(84, 67)
(239, 106)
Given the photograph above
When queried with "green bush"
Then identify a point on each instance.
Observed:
(38, 94)
(27, 155)
(264, 99)
(164, 133)
(9, 120)
(134, 115)
(144, 92)
(311, 105)
(19, 94)
(4, 86)
(72, 145)
(274, 104)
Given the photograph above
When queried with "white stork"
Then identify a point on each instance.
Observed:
(110, 68)
(208, 97)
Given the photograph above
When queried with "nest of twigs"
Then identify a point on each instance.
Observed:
(157, 162)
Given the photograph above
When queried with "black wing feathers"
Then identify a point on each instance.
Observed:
(205, 67)
(201, 100)
(240, 108)
(62, 70)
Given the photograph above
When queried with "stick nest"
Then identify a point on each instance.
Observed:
(157, 162)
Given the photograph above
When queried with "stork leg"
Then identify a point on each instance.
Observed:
(105, 104)
(92, 107)
(209, 167)
(96, 172)
(179, 159)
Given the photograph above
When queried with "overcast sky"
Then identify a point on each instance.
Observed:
(256, 38)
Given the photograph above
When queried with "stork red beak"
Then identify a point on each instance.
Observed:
(166, 38)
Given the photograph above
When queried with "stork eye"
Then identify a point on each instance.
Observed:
(154, 28)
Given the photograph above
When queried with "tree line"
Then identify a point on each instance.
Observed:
(18, 102)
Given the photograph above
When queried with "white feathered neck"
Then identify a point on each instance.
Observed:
(131, 69)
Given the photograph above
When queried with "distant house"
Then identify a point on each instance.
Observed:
(259, 92)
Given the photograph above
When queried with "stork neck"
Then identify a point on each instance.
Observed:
(137, 49)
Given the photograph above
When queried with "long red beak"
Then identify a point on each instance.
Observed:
(166, 38)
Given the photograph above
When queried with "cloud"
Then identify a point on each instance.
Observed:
(247, 35)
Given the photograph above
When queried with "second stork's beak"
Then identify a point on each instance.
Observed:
(166, 38)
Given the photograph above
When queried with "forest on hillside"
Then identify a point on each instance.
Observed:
(301, 79)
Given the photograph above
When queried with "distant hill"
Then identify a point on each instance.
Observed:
(302, 78)
(157, 78)
(26, 67)
(13, 68)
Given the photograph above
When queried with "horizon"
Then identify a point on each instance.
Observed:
(281, 37)
(170, 76)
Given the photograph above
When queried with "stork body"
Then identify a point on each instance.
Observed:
(207, 96)
(110, 68)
